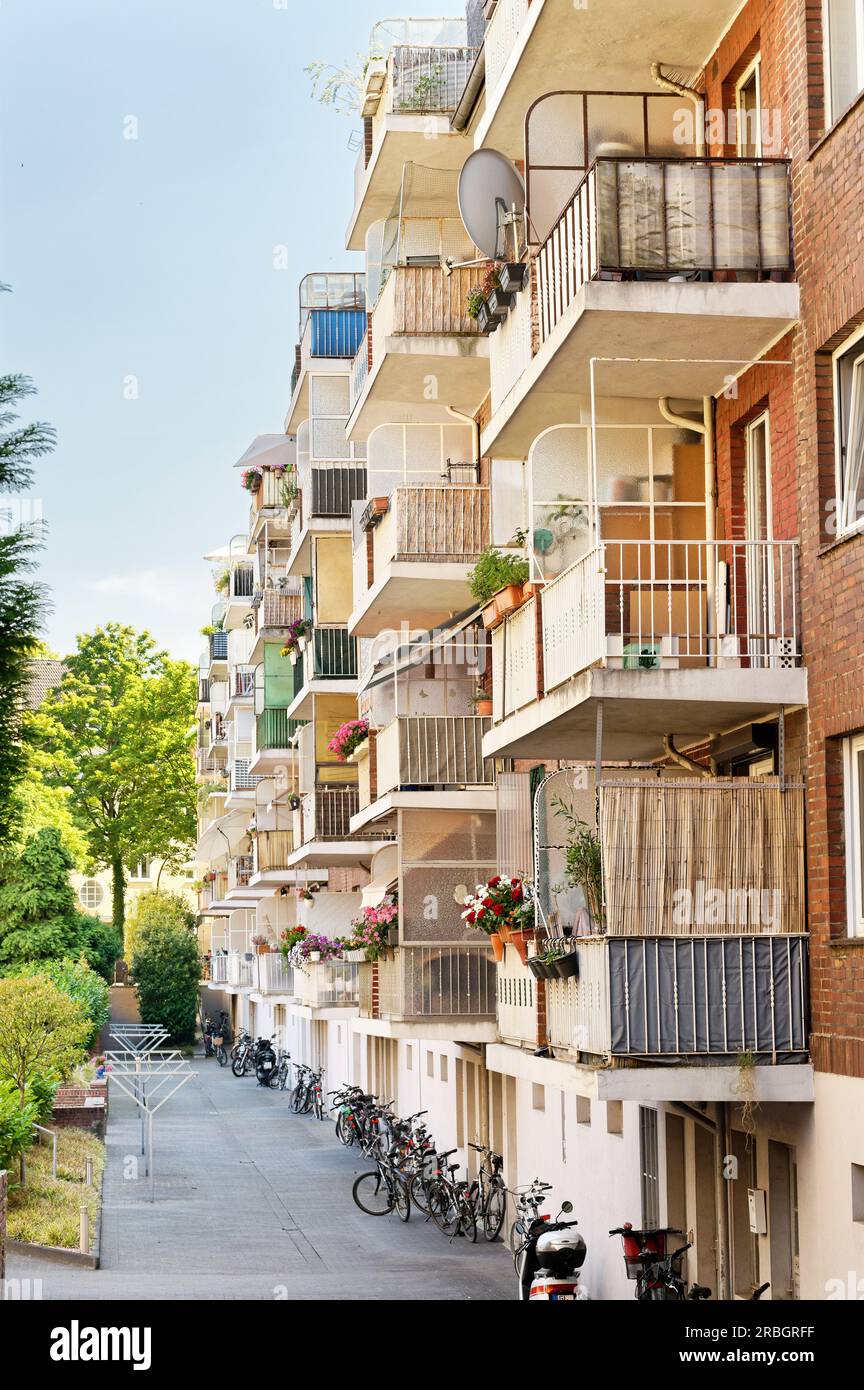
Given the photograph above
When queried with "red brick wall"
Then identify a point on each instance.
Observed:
(827, 202)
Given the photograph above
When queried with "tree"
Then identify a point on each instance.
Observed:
(80, 983)
(120, 729)
(42, 1032)
(22, 603)
(156, 907)
(167, 970)
(39, 914)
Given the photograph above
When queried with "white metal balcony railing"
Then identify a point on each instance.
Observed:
(244, 682)
(516, 1003)
(359, 372)
(693, 996)
(274, 976)
(241, 778)
(241, 582)
(219, 970)
(278, 610)
(437, 982)
(662, 217)
(500, 38)
(427, 79)
(433, 750)
(326, 813)
(644, 605)
(327, 983)
(236, 969)
(240, 871)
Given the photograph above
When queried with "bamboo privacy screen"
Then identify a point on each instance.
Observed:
(688, 857)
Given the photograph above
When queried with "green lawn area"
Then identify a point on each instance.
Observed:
(47, 1210)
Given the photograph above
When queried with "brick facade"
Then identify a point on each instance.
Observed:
(827, 201)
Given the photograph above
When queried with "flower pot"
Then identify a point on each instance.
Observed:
(513, 275)
(490, 615)
(292, 657)
(530, 590)
(497, 945)
(508, 599)
(483, 708)
(314, 957)
(355, 957)
(536, 968)
(567, 966)
(485, 321)
(499, 304)
(302, 643)
(520, 940)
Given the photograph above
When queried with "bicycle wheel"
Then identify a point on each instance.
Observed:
(494, 1210)
(401, 1196)
(372, 1194)
(283, 1078)
(516, 1238)
(419, 1193)
(443, 1208)
(318, 1106)
(298, 1095)
(467, 1217)
(344, 1130)
(222, 1055)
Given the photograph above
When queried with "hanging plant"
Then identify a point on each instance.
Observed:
(250, 478)
(348, 737)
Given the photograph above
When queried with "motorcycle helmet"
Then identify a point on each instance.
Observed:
(561, 1252)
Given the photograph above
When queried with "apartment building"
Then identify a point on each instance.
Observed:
(661, 406)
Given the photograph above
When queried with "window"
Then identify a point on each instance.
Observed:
(409, 1058)
(538, 1097)
(583, 1110)
(843, 42)
(849, 430)
(91, 894)
(615, 1116)
(430, 1064)
(444, 1067)
(853, 769)
(748, 105)
(648, 1167)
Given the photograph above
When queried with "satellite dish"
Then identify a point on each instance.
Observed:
(490, 192)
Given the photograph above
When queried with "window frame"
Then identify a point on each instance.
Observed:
(753, 69)
(853, 815)
(846, 348)
(830, 114)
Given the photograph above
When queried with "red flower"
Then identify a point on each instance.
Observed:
(499, 909)
(516, 895)
(487, 902)
(493, 882)
(472, 918)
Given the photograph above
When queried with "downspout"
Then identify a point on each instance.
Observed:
(690, 93)
(461, 117)
(475, 431)
(704, 427)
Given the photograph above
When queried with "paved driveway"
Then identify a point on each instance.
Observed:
(255, 1202)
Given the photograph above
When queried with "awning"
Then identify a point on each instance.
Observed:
(269, 451)
(226, 836)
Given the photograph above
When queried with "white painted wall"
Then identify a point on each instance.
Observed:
(831, 1141)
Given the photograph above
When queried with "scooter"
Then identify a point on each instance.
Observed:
(656, 1268)
(550, 1255)
(207, 1033)
(265, 1061)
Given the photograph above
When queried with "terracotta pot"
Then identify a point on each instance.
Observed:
(508, 599)
(483, 708)
(491, 616)
(530, 590)
(504, 933)
(520, 939)
(497, 946)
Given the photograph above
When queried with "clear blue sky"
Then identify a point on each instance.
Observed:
(154, 258)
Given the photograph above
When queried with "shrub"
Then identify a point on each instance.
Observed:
(167, 969)
(16, 1124)
(156, 907)
(42, 1032)
(77, 980)
(493, 571)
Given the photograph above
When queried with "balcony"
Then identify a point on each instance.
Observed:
(235, 970)
(420, 328)
(527, 41)
(241, 784)
(326, 494)
(238, 598)
(409, 98)
(273, 976)
(413, 555)
(327, 985)
(271, 854)
(436, 991)
(322, 829)
(669, 635)
(218, 648)
(671, 273)
(329, 668)
(274, 748)
(329, 339)
(240, 871)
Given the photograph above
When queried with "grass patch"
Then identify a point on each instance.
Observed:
(47, 1210)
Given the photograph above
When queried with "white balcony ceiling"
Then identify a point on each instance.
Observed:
(609, 45)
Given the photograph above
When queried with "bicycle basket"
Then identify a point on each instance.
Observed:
(642, 1248)
(218, 1040)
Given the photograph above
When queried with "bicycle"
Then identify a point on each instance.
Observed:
(528, 1203)
(282, 1072)
(301, 1097)
(450, 1204)
(383, 1190)
(488, 1192)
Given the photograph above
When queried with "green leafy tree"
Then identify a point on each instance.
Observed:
(22, 602)
(154, 908)
(42, 1032)
(120, 730)
(16, 1124)
(39, 914)
(166, 969)
(82, 984)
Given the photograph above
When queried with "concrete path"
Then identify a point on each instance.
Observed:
(255, 1202)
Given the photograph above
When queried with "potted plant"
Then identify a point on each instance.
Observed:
(261, 945)
(222, 581)
(290, 938)
(250, 478)
(583, 861)
(499, 576)
(371, 931)
(348, 738)
(501, 904)
(481, 701)
(512, 275)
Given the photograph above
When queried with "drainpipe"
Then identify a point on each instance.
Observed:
(475, 432)
(682, 90)
(704, 427)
